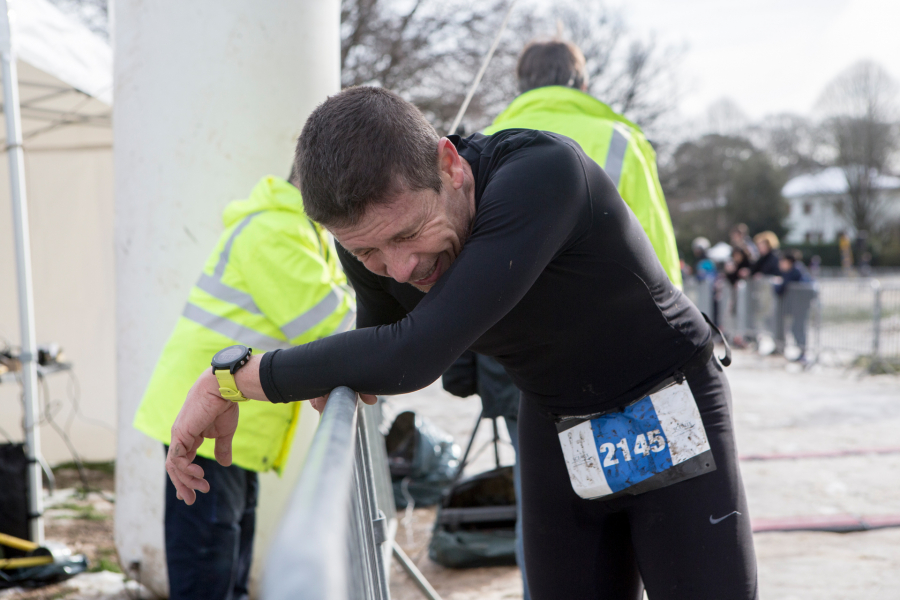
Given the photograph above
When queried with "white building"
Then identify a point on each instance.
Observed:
(817, 205)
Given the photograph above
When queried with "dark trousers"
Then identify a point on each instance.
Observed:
(687, 541)
(209, 544)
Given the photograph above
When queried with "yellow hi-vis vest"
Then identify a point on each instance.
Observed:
(273, 281)
(615, 143)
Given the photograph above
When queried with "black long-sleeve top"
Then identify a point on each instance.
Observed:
(767, 264)
(557, 281)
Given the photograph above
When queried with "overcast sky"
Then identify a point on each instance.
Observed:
(767, 55)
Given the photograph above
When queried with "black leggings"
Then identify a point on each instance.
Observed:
(674, 540)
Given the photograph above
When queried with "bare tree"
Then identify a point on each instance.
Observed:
(715, 181)
(634, 76)
(860, 108)
(429, 51)
(794, 142)
(426, 50)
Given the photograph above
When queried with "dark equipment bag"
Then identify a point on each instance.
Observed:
(14, 522)
(13, 494)
(476, 522)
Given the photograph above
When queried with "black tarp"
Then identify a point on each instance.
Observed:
(423, 460)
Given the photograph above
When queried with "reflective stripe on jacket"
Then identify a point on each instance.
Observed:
(616, 144)
(273, 281)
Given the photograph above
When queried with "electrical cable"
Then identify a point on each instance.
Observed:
(64, 434)
(484, 66)
(48, 417)
(48, 413)
(73, 387)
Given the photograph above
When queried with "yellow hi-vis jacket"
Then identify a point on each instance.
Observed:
(273, 281)
(616, 144)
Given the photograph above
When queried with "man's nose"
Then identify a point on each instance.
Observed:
(400, 265)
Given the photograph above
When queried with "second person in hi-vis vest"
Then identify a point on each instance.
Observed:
(552, 85)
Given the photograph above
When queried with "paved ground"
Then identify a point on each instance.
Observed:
(779, 409)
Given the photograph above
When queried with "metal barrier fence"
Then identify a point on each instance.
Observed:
(332, 543)
(838, 318)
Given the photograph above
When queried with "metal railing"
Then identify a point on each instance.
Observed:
(842, 319)
(331, 545)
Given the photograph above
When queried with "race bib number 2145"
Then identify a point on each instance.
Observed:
(657, 441)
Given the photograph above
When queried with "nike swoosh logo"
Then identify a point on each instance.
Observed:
(717, 521)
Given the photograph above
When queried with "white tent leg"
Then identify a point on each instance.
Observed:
(23, 269)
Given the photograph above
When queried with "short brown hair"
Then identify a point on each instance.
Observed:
(553, 62)
(359, 148)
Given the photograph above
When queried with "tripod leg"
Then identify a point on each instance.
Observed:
(496, 442)
(465, 457)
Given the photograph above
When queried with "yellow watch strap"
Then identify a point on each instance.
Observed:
(228, 387)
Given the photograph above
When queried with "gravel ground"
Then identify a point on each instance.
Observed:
(779, 409)
(83, 521)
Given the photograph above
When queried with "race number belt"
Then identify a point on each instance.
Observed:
(651, 443)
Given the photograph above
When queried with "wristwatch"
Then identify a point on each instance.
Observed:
(225, 364)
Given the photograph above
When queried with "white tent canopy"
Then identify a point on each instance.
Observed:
(52, 42)
(65, 77)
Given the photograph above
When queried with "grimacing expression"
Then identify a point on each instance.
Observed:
(416, 236)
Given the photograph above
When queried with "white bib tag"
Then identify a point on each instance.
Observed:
(654, 442)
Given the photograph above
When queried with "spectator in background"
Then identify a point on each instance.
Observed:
(768, 245)
(797, 294)
(740, 238)
(739, 266)
(846, 250)
(736, 269)
(704, 268)
(815, 264)
(865, 264)
(686, 270)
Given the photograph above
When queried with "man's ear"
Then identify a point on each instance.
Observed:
(450, 163)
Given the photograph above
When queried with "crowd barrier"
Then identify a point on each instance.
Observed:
(843, 319)
(336, 533)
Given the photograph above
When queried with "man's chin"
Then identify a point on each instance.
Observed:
(422, 288)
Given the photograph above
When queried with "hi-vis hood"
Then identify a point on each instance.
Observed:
(271, 193)
(554, 100)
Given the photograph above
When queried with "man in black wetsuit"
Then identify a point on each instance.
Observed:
(517, 246)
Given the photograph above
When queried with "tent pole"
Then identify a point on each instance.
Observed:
(23, 269)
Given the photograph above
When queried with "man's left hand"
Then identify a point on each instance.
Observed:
(205, 414)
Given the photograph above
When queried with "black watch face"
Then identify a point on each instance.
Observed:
(228, 356)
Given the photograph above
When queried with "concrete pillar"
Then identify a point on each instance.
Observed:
(210, 96)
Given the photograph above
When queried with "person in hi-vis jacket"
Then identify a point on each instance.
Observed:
(272, 281)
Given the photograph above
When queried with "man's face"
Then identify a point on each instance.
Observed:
(416, 236)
